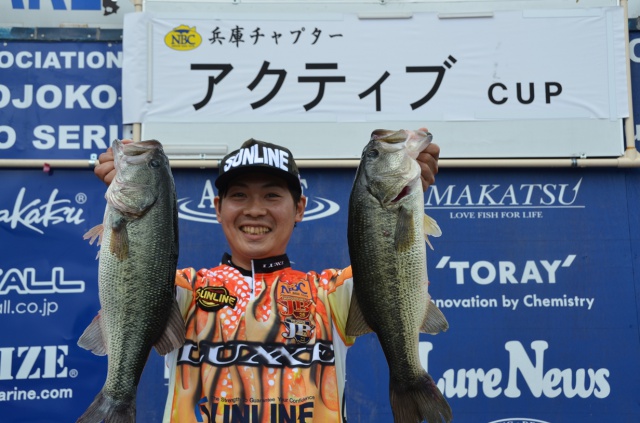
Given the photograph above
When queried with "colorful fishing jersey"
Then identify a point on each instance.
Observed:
(263, 346)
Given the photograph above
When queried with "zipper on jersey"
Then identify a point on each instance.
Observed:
(253, 281)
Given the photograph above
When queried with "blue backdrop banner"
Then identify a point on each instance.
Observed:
(59, 100)
(534, 271)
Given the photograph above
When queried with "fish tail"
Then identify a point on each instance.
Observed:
(110, 410)
(421, 401)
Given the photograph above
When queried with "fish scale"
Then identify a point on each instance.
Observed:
(388, 258)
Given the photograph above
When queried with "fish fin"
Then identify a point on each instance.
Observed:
(421, 401)
(356, 325)
(93, 233)
(119, 238)
(430, 228)
(404, 230)
(92, 338)
(434, 321)
(428, 243)
(173, 335)
(109, 410)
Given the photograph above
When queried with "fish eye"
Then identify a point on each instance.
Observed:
(373, 153)
(154, 163)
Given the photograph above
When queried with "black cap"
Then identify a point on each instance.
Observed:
(259, 156)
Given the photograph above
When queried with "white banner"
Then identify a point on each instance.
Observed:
(511, 66)
(515, 65)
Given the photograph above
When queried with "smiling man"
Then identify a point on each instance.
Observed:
(257, 185)
(264, 342)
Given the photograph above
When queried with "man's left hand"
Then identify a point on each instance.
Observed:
(428, 161)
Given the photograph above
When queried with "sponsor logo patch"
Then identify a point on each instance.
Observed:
(213, 298)
(296, 310)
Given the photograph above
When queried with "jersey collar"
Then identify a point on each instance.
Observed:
(260, 266)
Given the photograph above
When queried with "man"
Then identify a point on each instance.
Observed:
(265, 343)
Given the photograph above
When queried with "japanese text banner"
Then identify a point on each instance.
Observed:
(514, 65)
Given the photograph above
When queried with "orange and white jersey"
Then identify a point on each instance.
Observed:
(265, 346)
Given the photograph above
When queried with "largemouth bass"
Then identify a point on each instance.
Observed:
(387, 232)
(138, 258)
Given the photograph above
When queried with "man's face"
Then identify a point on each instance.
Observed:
(257, 216)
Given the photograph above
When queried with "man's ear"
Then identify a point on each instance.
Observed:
(216, 204)
(302, 204)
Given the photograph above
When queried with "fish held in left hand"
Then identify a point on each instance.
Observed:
(138, 259)
(386, 232)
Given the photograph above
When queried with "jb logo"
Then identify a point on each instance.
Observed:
(300, 330)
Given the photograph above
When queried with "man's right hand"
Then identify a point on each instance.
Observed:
(105, 170)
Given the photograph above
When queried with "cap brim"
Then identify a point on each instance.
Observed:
(223, 180)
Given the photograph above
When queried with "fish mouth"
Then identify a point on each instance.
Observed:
(133, 153)
(395, 137)
(413, 141)
(140, 147)
(388, 136)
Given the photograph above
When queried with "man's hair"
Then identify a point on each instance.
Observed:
(296, 194)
